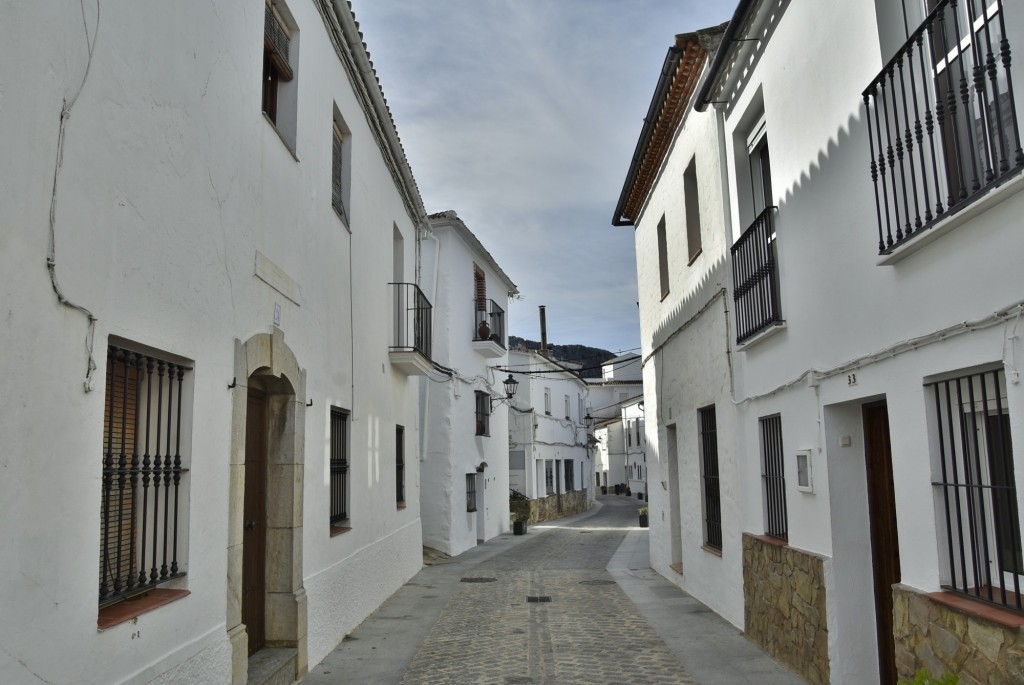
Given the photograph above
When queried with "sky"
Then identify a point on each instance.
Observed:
(523, 116)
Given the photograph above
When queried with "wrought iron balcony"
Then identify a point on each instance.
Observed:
(755, 278)
(488, 328)
(942, 122)
(412, 321)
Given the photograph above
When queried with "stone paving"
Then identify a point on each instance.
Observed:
(573, 602)
(588, 632)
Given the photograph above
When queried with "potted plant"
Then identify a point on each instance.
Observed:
(519, 526)
(604, 489)
(643, 516)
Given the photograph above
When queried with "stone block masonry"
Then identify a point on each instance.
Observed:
(932, 634)
(784, 600)
(546, 508)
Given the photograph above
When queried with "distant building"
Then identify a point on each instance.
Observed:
(465, 473)
(620, 382)
(549, 455)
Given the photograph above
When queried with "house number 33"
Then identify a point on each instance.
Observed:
(851, 379)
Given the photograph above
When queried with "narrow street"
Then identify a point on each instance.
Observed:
(573, 601)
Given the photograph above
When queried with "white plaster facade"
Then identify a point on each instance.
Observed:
(190, 226)
(621, 380)
(859, 328)
(546, 427)
(458, 443)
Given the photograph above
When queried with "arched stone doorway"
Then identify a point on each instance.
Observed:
(265, 505)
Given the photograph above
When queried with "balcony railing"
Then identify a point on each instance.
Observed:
(412, 319)
(942, 123)
(488, 321)
(755, 278)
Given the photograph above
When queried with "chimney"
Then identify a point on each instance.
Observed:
(543, 332)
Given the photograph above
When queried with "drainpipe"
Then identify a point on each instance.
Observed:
(739, 19)
(543, 331)
(425, 384)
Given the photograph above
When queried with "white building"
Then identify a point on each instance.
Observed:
(829, 332)
(209, 452)
(464, 474)
(549, 456)
(620, 381)
(635, 449)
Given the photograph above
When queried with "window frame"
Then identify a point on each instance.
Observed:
(663, 272)
(131, 466)
(471, 502)
(711, 502)
(340, 463)
(400, 466)
(483, 413)
(977, 534)
(773, 477)
(691, 200)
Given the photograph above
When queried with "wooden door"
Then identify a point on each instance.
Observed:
(885, 551)
(254, 536)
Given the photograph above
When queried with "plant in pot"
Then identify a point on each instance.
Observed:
(604, 489)
(643, 517)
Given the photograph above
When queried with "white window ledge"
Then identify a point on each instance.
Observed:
(989, 200)
(766, 333)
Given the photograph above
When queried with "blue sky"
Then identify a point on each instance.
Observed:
(522, 116)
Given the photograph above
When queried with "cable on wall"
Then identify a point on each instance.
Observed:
(51, 254)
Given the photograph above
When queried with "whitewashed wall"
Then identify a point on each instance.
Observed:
(549, 437)
(452, 447)
(171, 182)
(840, 304)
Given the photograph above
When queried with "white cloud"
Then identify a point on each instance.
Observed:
(522, 115)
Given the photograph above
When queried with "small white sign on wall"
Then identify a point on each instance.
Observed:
(804, 477)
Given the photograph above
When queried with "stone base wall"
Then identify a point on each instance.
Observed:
(784, 602)
(939, 638)
(546, 508)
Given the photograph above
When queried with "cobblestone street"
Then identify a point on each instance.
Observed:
(540, 609)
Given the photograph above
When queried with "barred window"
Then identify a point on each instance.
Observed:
(339, 468)
(549, 476)
(977, 488)
(773, 478)
(400, 464)
(483, 413)
(470, 492)
(144, 502)
(711, 497)
(570, 478)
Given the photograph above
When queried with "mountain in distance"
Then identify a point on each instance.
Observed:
(587, 356)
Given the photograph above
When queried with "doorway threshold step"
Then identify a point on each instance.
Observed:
(273, 666)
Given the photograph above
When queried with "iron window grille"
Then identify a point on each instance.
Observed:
(942, 120)
(570, 478)
(413, 316)
(755, 277)
(339, 467)
(488, 321)
(773, 478)
(483, 413)
(470, 492)
(143, 471)
(977, 488)
(712, 502)
(276, 68)
(400, 464)
(549, 476)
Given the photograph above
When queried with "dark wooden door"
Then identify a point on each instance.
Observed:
(885, 549)
(254, 537)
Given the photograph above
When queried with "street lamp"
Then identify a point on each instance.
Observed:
(511, 385)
